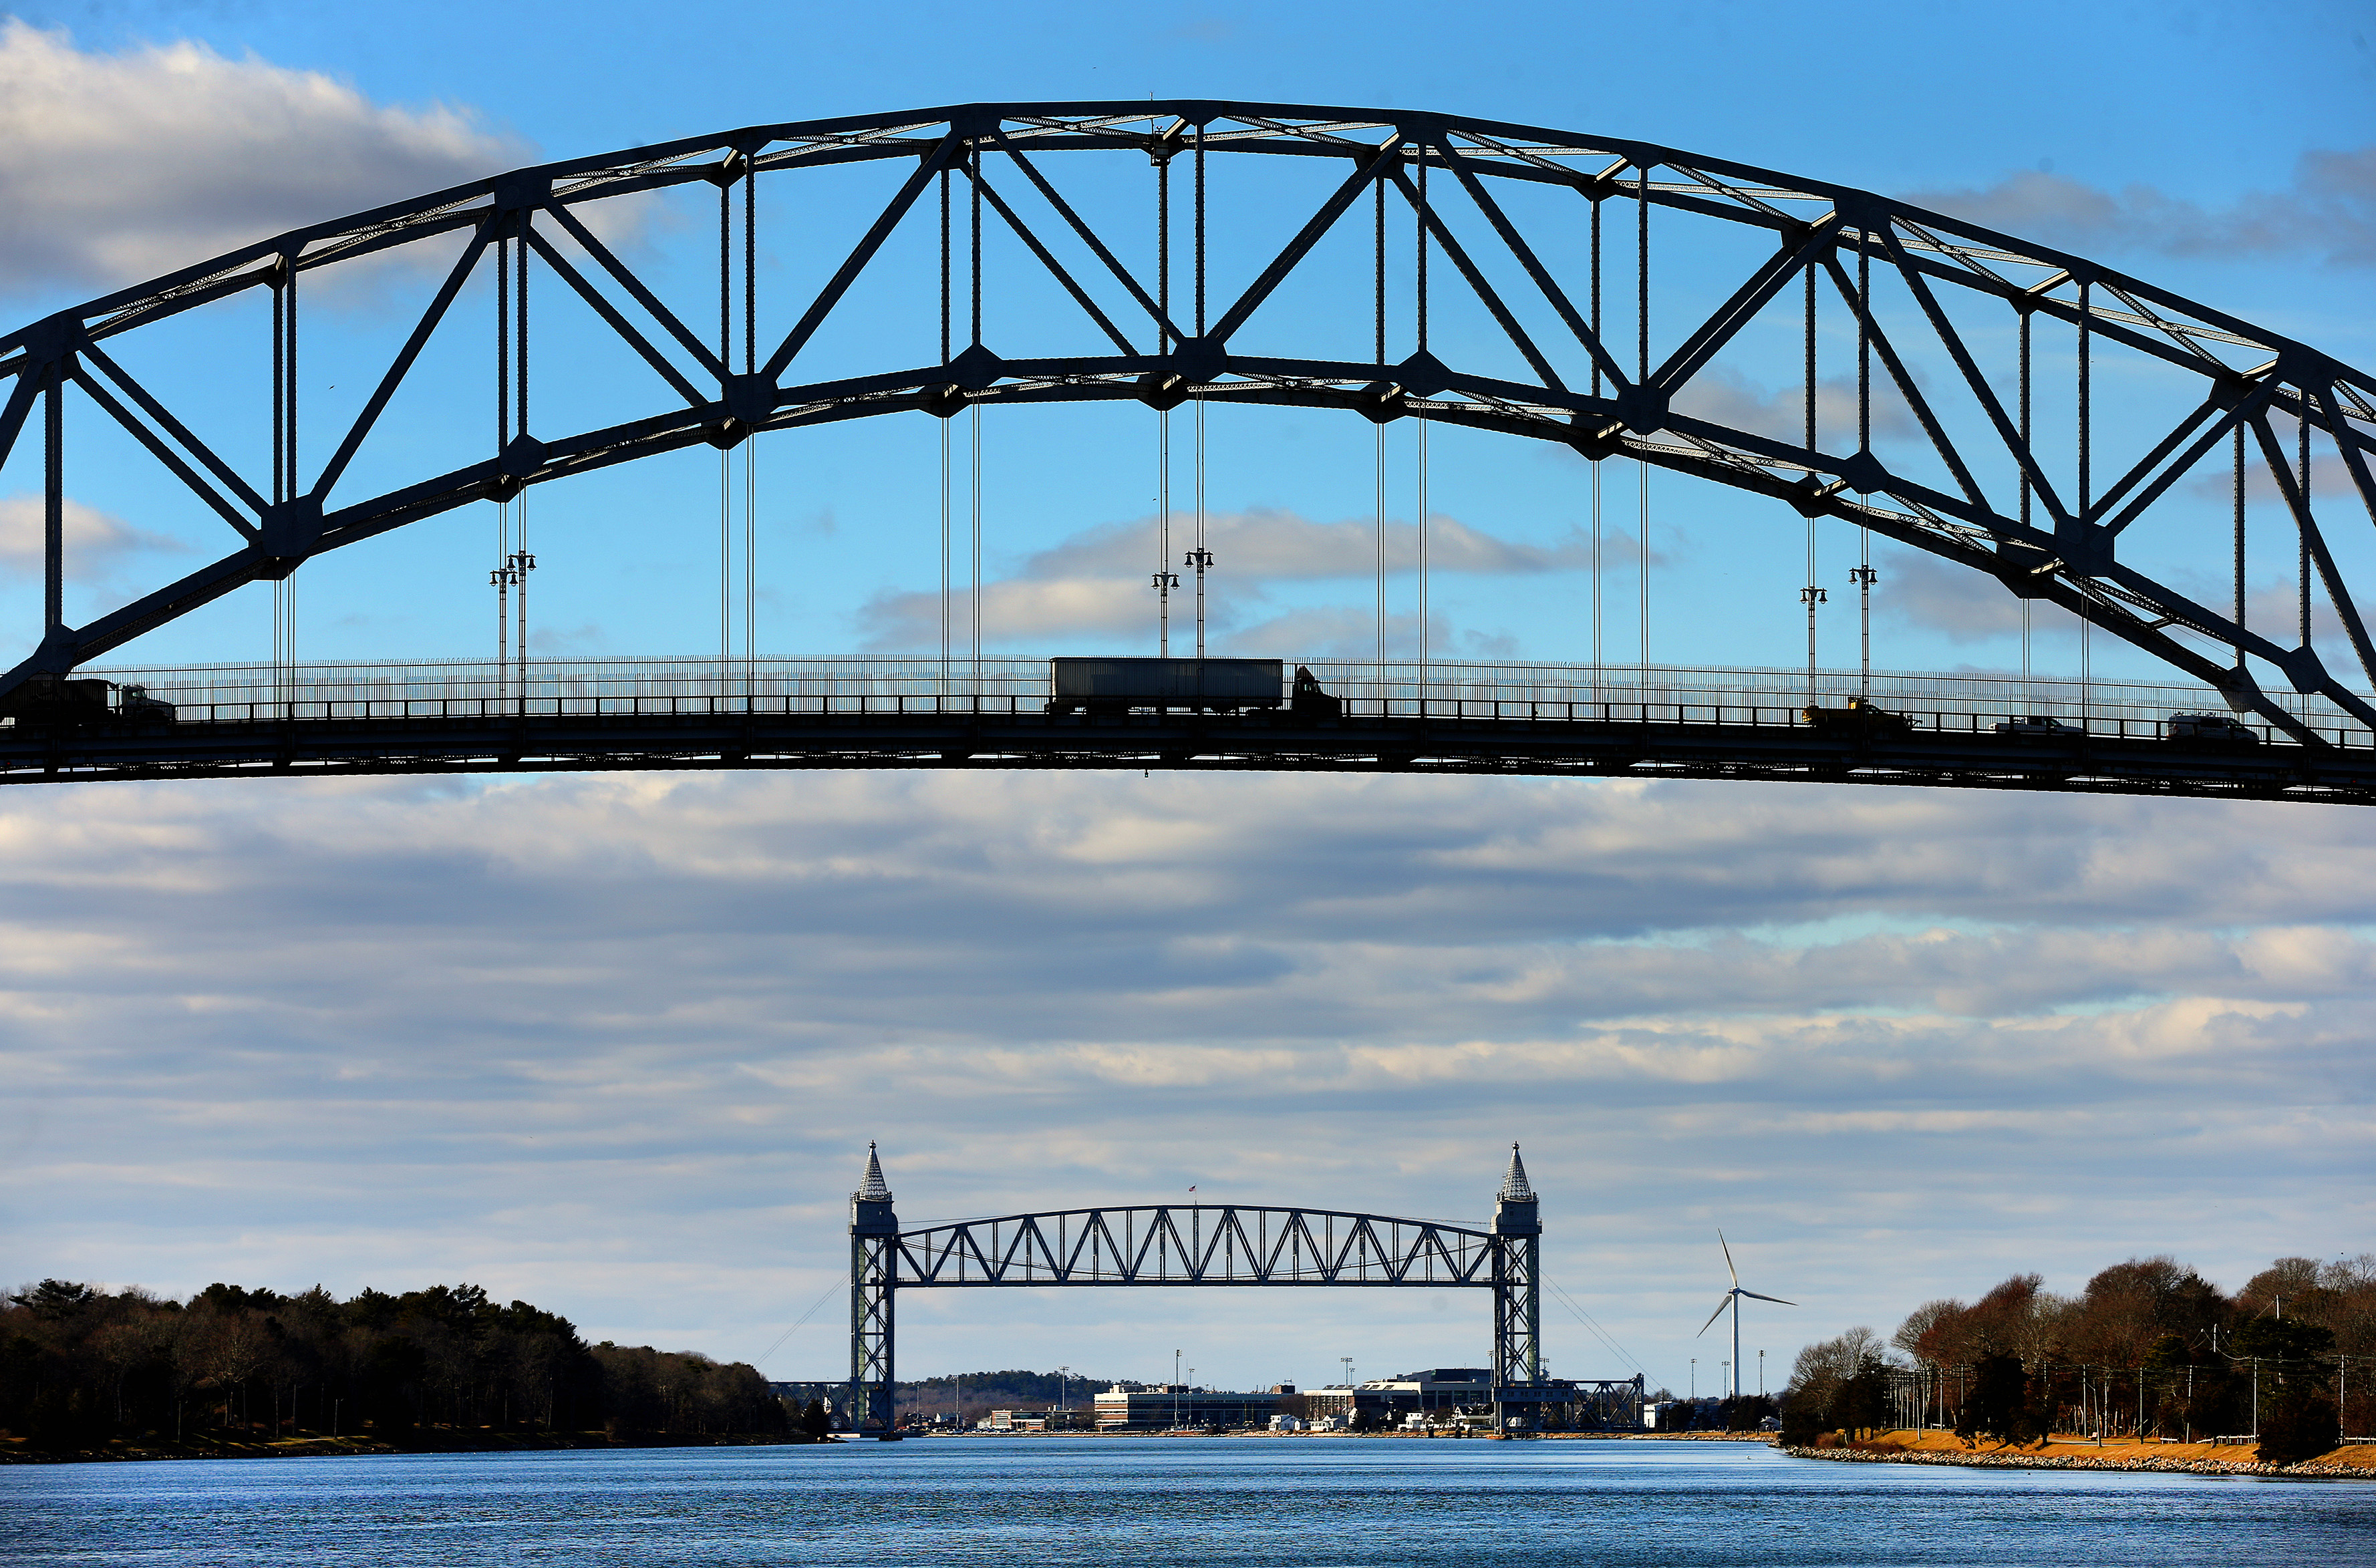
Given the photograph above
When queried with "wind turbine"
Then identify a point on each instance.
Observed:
(1732, 1299)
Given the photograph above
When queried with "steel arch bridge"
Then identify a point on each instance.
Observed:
(1500, 278)
(1197, 1244)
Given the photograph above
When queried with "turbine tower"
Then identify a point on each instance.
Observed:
(1732, 1299)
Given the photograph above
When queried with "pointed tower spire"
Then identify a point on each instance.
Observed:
(872, 1190)
(1513, 1181)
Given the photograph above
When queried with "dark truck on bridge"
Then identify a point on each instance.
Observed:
(1118, 685)
(52, 701)
(1204, 685)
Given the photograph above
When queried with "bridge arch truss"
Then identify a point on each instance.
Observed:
(1421, 220)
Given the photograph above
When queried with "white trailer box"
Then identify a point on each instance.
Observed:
(1117, 685)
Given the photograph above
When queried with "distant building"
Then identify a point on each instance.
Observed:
(1392, 1398)
(1162, 1407)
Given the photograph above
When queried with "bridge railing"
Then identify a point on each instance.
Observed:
(1952, 702)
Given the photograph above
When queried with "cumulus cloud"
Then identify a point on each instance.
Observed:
(1724, 395)
(2328, 211)
(615, 1042)
(1096, 581)
(118, 166)
(99, 545)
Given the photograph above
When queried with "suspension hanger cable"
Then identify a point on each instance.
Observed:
(1595, 461)
(2238, 499)
(523, 562)
(1422, 515)
(2084, 582)
(2026, 313)
(1165, 579)
(974, 452)
(944, 437)
(1814, 594)
(1203, 556)
(725, 454)
(751, 447)
(502, 576)
(1419, 406)
(1378, 527)
(1642, 326)
(2302, 426)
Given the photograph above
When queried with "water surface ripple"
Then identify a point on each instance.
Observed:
(1121, 1500)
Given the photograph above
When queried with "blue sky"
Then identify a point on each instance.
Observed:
(615, 1045)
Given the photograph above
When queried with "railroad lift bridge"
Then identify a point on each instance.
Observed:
(1214, 1244)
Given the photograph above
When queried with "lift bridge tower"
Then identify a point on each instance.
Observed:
(1208, 1244)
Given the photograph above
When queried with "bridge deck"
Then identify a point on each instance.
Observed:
(1772, 744)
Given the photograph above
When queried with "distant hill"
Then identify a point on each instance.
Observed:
(982, 1391)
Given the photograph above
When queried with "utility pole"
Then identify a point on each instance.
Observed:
(1202, 558)
(1864, 577)
(1811, 596)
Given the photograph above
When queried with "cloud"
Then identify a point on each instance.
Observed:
(1098, 581)
(119, 167)
(588, 1040)
(1268, 543)
(1920, 590)
(99, 545)
(2328, 211)
(1725, 395)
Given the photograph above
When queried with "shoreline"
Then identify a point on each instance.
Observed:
(2351, 1462)
(432, 1441)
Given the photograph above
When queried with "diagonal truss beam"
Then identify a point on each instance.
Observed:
(1477, 284)
(1525, 253)
(702, 353)
(2337, 594)
(1047, 258)
(1985, 395)
(1088, 236)
(164, 453)
(838, 285)
(616, 322)
(456, 276)
(1296, 249)
(1904, 379)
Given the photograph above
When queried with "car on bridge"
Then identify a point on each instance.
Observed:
(1862, 720)
(2038, 727)
(2216, 728)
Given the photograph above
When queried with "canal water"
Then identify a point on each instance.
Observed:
(1121, 1500)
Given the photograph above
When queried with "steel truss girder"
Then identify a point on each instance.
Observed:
(2073, 562)
(1194, 1244)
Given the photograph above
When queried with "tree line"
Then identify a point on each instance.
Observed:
(2150, 1348)
(81, 1367)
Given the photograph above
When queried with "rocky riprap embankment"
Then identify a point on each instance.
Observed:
(2014, 1459)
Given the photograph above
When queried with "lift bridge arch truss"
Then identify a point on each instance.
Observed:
(1194, 1244)
(2039, 502)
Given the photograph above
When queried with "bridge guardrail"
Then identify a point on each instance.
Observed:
(1946, 703)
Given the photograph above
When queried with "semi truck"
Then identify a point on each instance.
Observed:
(54, 701)
(1118, 685)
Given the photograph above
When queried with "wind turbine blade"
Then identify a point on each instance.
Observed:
(1716, 1314)
(1776, 1300)
(1727, 1259)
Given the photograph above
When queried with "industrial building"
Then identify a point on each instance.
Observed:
(1165, 1406)
(1437, 1388)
